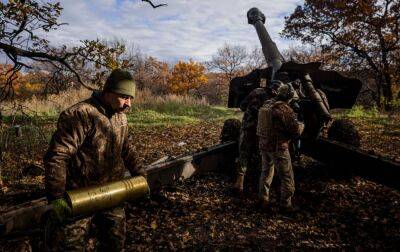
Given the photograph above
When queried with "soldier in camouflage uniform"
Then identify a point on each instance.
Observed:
(90, 147)
(277, 125)
(249, 154)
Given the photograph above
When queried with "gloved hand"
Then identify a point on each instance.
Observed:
(306, 78)
(61, 210)
(141, 171)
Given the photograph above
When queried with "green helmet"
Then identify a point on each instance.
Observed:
(285, 92)
(275, 85)
(120, 82)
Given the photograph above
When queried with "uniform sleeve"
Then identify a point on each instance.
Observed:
(67, 139)
(288, 123)
(131, 160)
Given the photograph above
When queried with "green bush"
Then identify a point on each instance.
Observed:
(358, 111)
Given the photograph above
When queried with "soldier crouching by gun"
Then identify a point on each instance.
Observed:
(277, 126)
(90, 147)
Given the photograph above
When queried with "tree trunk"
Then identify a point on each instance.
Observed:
(378, 82)
(387, 92)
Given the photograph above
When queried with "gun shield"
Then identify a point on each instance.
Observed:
(92, 199)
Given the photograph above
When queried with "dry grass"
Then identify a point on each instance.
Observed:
(54, 104)
(146, 98)
(50, 106)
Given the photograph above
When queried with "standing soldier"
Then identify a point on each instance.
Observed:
(277, 125)
(90, 147)
(249, 154)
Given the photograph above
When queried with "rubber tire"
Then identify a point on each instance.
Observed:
(230, 131)
(344, 131)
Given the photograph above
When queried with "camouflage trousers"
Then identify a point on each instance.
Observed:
(280, 162)
(109, 227)
(249, 154)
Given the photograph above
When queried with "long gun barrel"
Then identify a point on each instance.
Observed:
(269, 48)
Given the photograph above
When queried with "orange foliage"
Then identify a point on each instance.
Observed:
(24, 85)
(186, 76)
(5, 73)
(153, 75)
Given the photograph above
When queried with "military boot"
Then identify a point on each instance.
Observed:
(264, 203)
(289, 211)
(238, 186)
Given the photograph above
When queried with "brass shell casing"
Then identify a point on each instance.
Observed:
(92, 199)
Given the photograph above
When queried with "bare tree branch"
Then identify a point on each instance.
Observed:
(152, 5)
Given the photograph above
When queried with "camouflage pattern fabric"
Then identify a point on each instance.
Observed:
(277, 126)
(280, 162)
(109, 227)
(249, 154)
(250, 106)
(90, 147)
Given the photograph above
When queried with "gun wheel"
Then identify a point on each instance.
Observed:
(230, 131)
(344, 131)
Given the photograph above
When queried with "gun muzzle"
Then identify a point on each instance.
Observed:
(92, 199)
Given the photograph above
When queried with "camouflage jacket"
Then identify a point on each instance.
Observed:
(250, 106)
(277, 125)
(89, 147)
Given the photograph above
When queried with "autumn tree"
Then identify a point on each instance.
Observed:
(229, 60)
(186, 76)
(216, 89)
(255, 60)
(313, 54)
(363, 33)
(23, 26)
(152, 74)
(303, 54)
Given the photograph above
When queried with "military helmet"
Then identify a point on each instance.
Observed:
(275, 84)
(285, 92)
(120, 82)
(282, 76)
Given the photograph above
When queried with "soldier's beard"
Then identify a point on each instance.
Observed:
(124, 109)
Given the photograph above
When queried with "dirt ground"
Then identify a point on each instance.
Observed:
(201, 214)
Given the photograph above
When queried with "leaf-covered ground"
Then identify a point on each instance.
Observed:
(202, 214)
(380, 135)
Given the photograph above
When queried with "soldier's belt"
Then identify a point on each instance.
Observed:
(92, 199)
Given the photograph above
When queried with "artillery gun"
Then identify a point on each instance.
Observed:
(340, 150)
(340, 91)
